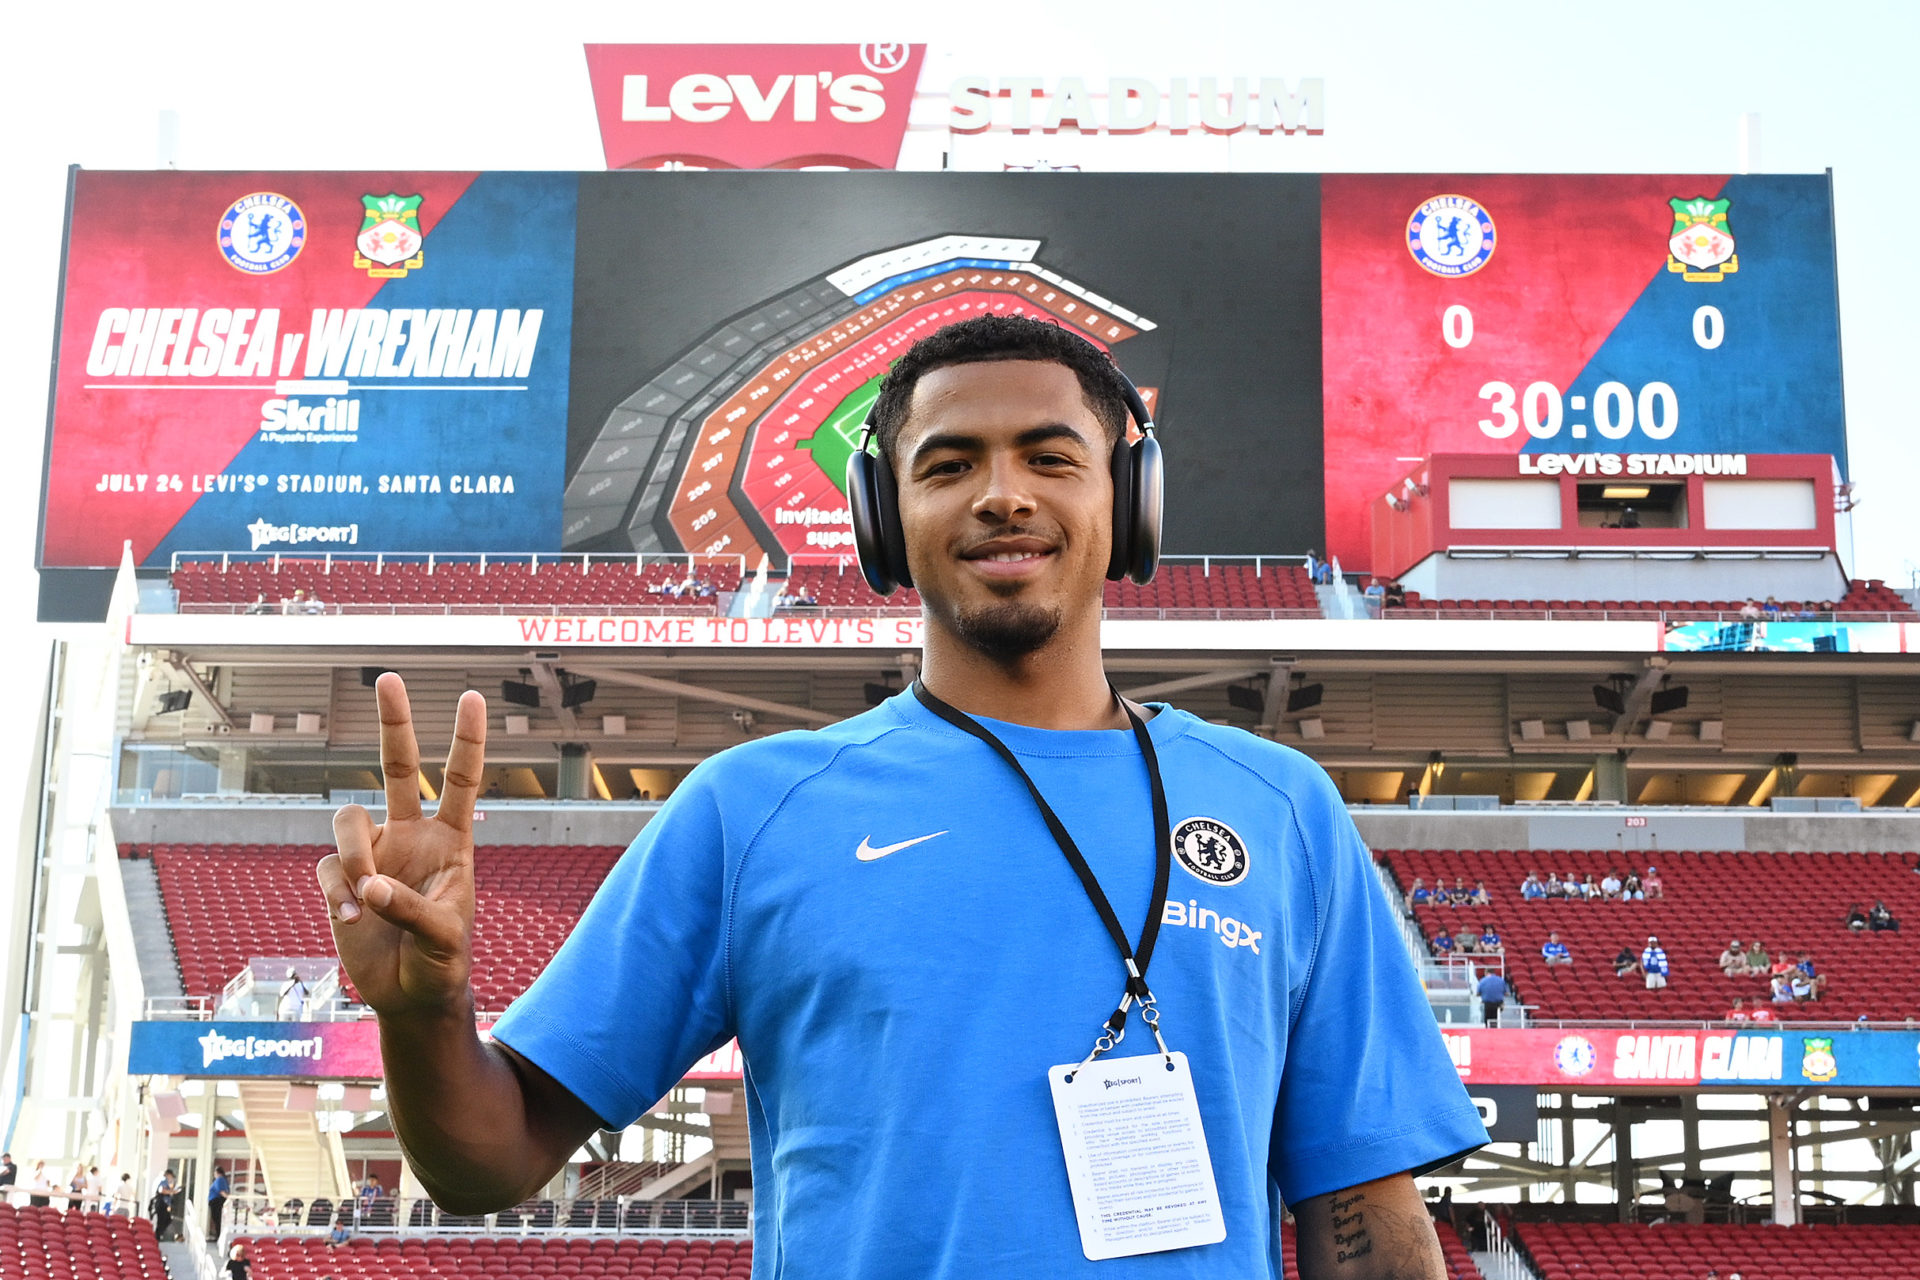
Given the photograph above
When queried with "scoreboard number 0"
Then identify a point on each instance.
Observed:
(1709, 327)
(1456, 326)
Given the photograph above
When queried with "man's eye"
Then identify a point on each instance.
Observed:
(952, 467)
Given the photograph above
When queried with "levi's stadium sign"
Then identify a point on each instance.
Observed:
(795, 106)
(753, 106)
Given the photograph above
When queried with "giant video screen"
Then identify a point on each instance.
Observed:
(303, 363)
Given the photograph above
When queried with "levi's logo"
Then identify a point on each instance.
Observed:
(704, 98)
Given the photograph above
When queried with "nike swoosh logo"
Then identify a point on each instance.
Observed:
(867, 853)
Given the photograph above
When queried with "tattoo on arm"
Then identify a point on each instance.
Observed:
(1350, 1236)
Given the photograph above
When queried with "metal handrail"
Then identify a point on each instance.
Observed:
(383, 1216)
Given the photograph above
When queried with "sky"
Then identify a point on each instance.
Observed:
(1492, 87)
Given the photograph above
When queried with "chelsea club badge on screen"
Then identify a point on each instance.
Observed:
(1137, 1160)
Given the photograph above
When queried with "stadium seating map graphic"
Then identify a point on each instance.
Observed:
(303, 363)
(749, 431)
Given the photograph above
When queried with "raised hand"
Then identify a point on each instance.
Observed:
(400, 894)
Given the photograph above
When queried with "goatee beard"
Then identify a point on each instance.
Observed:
(1007, 631)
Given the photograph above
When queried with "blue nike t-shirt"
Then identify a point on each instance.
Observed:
(879, 913)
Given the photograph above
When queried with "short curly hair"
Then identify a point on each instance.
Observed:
(994, 337)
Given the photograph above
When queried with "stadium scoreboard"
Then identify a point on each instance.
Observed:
(305, 363)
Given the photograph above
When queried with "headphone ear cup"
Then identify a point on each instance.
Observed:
(1120, 560)
(893, 542)
(1148, 494)
(869, 529)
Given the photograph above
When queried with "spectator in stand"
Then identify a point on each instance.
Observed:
(239, 1266)
(1784, 965)
(1610, 887)
(77, 1187)
(1756, 958)
(1626, 963)
(1881, 919)
(340, 1233)
(1376, 594)
(1419, 895)
(1490, 944)
(1632, 890)
(1857, 918)
(160, 1206)
(1443, 943)
(1590, 889)
(1771, 608)
(1467, 944)
(39, 1189)
(216, 1201)
(260, 604)
(9, 1176)
(1555, 889)
(1759, 1011)
(93, 1190)
(1782, 993)
(1815, 979)
(1653, 963)
(1554, 951)
(1460, 894)
(1493, 994)
(1738, 1013)
(292, 1004)
(1531, 888)
(313, 605)
(1481, 898)
(125, 1197)
(1750, 611)
(1800, 987)
(1733, 961)
(1396, 594)
(1652, 884)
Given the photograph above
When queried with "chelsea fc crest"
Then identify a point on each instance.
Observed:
(261, 233)
(1212, 851)
(1450, 236)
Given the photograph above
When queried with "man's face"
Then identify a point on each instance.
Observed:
(1006, 501)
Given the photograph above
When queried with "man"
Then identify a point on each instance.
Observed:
(1733, 961)
(1443, 943)
(9, 1176)
(1610, 887)
(1653, 962)
(1625, 963)
(1531, 888)
(904, 948)
(216, 1201)
(1738, 1013)
(293, 997)
(160, 1207)
(1493, 994)
(1554, 951)
(1489, 940)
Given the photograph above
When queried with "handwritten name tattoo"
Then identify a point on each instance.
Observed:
(1350, 1233)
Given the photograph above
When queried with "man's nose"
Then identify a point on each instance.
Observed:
(1005, 495)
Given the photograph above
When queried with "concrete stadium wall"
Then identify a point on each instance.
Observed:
(599, 822)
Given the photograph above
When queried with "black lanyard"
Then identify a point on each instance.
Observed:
(1135, 961)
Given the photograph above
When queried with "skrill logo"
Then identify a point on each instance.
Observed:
(216, 1048)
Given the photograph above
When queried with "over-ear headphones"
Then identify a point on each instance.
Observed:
(1138, 483)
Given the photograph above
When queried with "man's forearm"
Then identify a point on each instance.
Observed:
(460, 1113)
(1375, 1231)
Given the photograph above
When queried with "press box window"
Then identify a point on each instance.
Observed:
(1634, 504)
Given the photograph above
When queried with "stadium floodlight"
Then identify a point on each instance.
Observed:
(519, 693)
(1609, 698)
(174, 700)
(1247, 697)
(1665, 700)
(575, 692)
(370, 675)
(1307, 695)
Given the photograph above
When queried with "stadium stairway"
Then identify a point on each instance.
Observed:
(152, 943)
(297, 1160)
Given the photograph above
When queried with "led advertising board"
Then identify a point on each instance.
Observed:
(303, 363)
